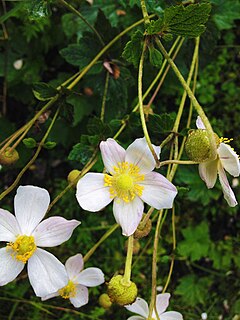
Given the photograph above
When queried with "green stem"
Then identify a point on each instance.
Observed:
(104, 99)
(163, 163)
(128, 265)
(195, 103)
(145, 13)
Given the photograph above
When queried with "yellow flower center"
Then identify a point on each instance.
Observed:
(23, 248)
(123, 182)
(69, 291)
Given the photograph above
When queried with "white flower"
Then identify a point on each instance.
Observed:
(24, 233)
(227, 159)
(130, 182)
(140, 307)
(78, 281)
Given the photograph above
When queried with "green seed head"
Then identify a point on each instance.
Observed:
(104, 301)
(143, 229)
(72, 176)
(9, 157)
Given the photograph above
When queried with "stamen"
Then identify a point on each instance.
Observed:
(69, 291)
(23, 248)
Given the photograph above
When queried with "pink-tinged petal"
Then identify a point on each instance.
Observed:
(229, 159)
(140, 307)
(9, 227)
(81, 297)
(140, 155)
(136, 318)
(171, 315)
(46, 273)
(90, 277)
(199, 123)
(9, 267)
(227, 191)
(158, 192)
(112, 154)
(54, 231)
(74, 266)
(30, 204)
(91, 194)
(128, 214)
(208, 172)
(50, 296)
(162, 302)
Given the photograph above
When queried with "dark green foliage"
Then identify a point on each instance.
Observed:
(43, 91)
(155, 57)
(133, 48)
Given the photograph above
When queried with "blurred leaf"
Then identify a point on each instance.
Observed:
(43, 91)
(82, 106)
(225, 13)
(49, 145)
(133, 48)
(39, 9)
(30, 143)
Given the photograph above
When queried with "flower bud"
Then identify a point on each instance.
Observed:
(104, 301)
(120, 292)
(143, 229)
(198, 146)
(72, 176)
(136, 246)
(9, 157)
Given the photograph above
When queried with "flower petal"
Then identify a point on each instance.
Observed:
(46, 273)
(227, 191)
(81, 297)
(9, 227)
(91, 194)
(54, 231)
(199, 123)
(162, 302)
(136, 318)
(208, 172)
(9, 267)
(140, 307)
(50, 296)
(229, 159)
(158, 192)
(90, 277)
(128, 215)
(171, 315)
(74, 266)
(112, 154)
(140, 155)
(30, 204)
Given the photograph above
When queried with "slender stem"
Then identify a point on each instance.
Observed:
(100, 241)
(147, 216)
(128, 265)
(195, 103)
(145, 13)
(104, 99)
(140, 102)
(163, 163)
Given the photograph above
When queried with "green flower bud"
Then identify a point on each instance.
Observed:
(198, 146)
(104, 301)
(72, 176)
(9, 157)
(122, 293)
(143, 229)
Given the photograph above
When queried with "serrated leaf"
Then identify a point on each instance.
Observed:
(83, 151)
(43, 91)
(49, 145)
(161, 123)
(186, 21)
(39, 9)
(30, 143)
(155, 57)
(155, 26)
(133, 48)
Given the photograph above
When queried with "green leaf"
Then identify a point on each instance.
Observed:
(133, 48)
(30, 143)
(49, 145)
(155, 57)
(161, 123)
(186, 21)
(82, 106)
(155, 26)
(39, 9)
(225, 13)
(43, 91)
(83, 151)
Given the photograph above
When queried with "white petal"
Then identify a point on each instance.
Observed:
(158, 192)
(91, 193)
(50, 296)
(128, 215)
(112, 154)
(30, 204)
(81, 297)
(136, 318)
(208, 172)
(227, 191)
(9, 267)
(139, 154)
(171, 315)
(9, 227)
(199, 123)
(90, 277)
(140, 307)
(229, 159)
(162, 302)
(54, 231)
(74, 266)
(46, 273)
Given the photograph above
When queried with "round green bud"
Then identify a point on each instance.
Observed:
(73, 176)
(143, 229)
(120, 292)
(136, 246)
(198, 146)
(9, 157)
(104, 301)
